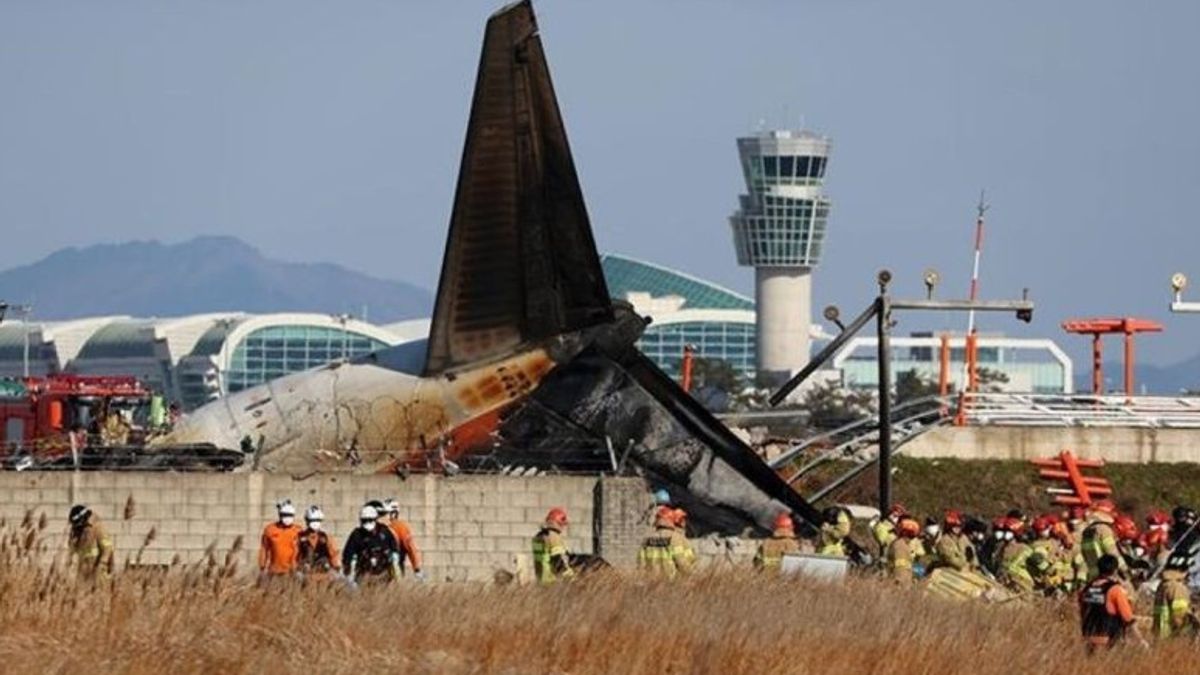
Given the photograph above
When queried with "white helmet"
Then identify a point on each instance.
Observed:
(391, 506)
(314, 512)
(368, 513)
(285, 508)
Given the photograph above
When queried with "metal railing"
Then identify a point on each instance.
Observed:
(1082, 410)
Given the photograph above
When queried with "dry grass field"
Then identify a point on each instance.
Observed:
(211, 619)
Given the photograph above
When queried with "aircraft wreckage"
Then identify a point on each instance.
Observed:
(528, 362)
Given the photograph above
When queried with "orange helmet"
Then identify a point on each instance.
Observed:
(679, 517)
(1016, 526)
(1105, 506)
(1155, 538)
(784, 522)
(953, 519)
(557, 517)
(664, 516)
(1062, 532)
(1158, 519)
(1125, 528)
(908, 527)
(1044, 523)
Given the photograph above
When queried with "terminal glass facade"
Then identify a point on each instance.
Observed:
(272, 352)
(720, 340)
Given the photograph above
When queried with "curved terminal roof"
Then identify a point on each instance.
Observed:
(627, 275)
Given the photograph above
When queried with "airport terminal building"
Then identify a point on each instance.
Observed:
(196, 359)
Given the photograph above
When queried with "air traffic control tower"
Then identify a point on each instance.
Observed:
(779, 231)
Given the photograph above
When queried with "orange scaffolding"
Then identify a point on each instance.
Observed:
(1127, 326)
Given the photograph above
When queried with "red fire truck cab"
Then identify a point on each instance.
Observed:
(39, 416)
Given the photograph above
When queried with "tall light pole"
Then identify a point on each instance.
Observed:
(25, 311)
(881, 309)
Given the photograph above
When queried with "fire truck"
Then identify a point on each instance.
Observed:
(46, 419)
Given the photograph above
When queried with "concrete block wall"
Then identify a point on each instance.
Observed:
(468, 527)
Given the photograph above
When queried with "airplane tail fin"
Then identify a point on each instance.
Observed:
(520, 263)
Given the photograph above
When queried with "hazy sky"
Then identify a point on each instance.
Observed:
(320, 130)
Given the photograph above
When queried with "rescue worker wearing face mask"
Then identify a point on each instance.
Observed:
(667, 552)
(1173, 616)
(371, 553)
(279, 545)
(953, 548)
(1099, 539)
(90, 545)
(1182, 520)
(769, 557)
(551, 559)
(899, 558)
(404, 539)
(989, 554)
(1015, 559)
(318, 556)
(835, 527)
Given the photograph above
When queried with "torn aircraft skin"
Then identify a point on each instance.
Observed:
(528, 360)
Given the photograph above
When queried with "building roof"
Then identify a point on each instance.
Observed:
(121, 339)
(627, 275)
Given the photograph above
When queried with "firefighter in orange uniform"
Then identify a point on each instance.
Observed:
(317, 556)
(279, 551)
(404, 539)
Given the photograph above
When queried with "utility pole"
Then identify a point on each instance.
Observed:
(881, 309)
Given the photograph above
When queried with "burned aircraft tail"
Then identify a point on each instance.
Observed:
(520, 264)
(521, 268)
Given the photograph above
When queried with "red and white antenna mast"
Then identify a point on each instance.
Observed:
(972, 332)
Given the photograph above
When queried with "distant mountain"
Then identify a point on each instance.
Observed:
(1152, 379)
(206, 274)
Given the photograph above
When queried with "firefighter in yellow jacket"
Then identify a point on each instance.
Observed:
(1173, 602)
(834, 530)
(952, 547)
(899, 557)
(90, 544)
(667, 552)
(769, 557)
(551, 560)
(1099, 539)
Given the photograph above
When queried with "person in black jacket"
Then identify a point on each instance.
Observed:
(371, 552)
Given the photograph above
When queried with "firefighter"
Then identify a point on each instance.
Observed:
(835, 527)
(769, 557)
(1157, 538)
(1099, 539)
(280, 543)
(317, 555)
(1050, 558)
(404, 539)
(115, 431)
(371, 553)
(667, 552)
(884, 529)
(551, 560)
(1016, 558)
(1130, 545)
(1105, 612)
(1173, 601)
(90, 544)
(953, 548)
(1182, 520)
(1072, 565)
(899, 557)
